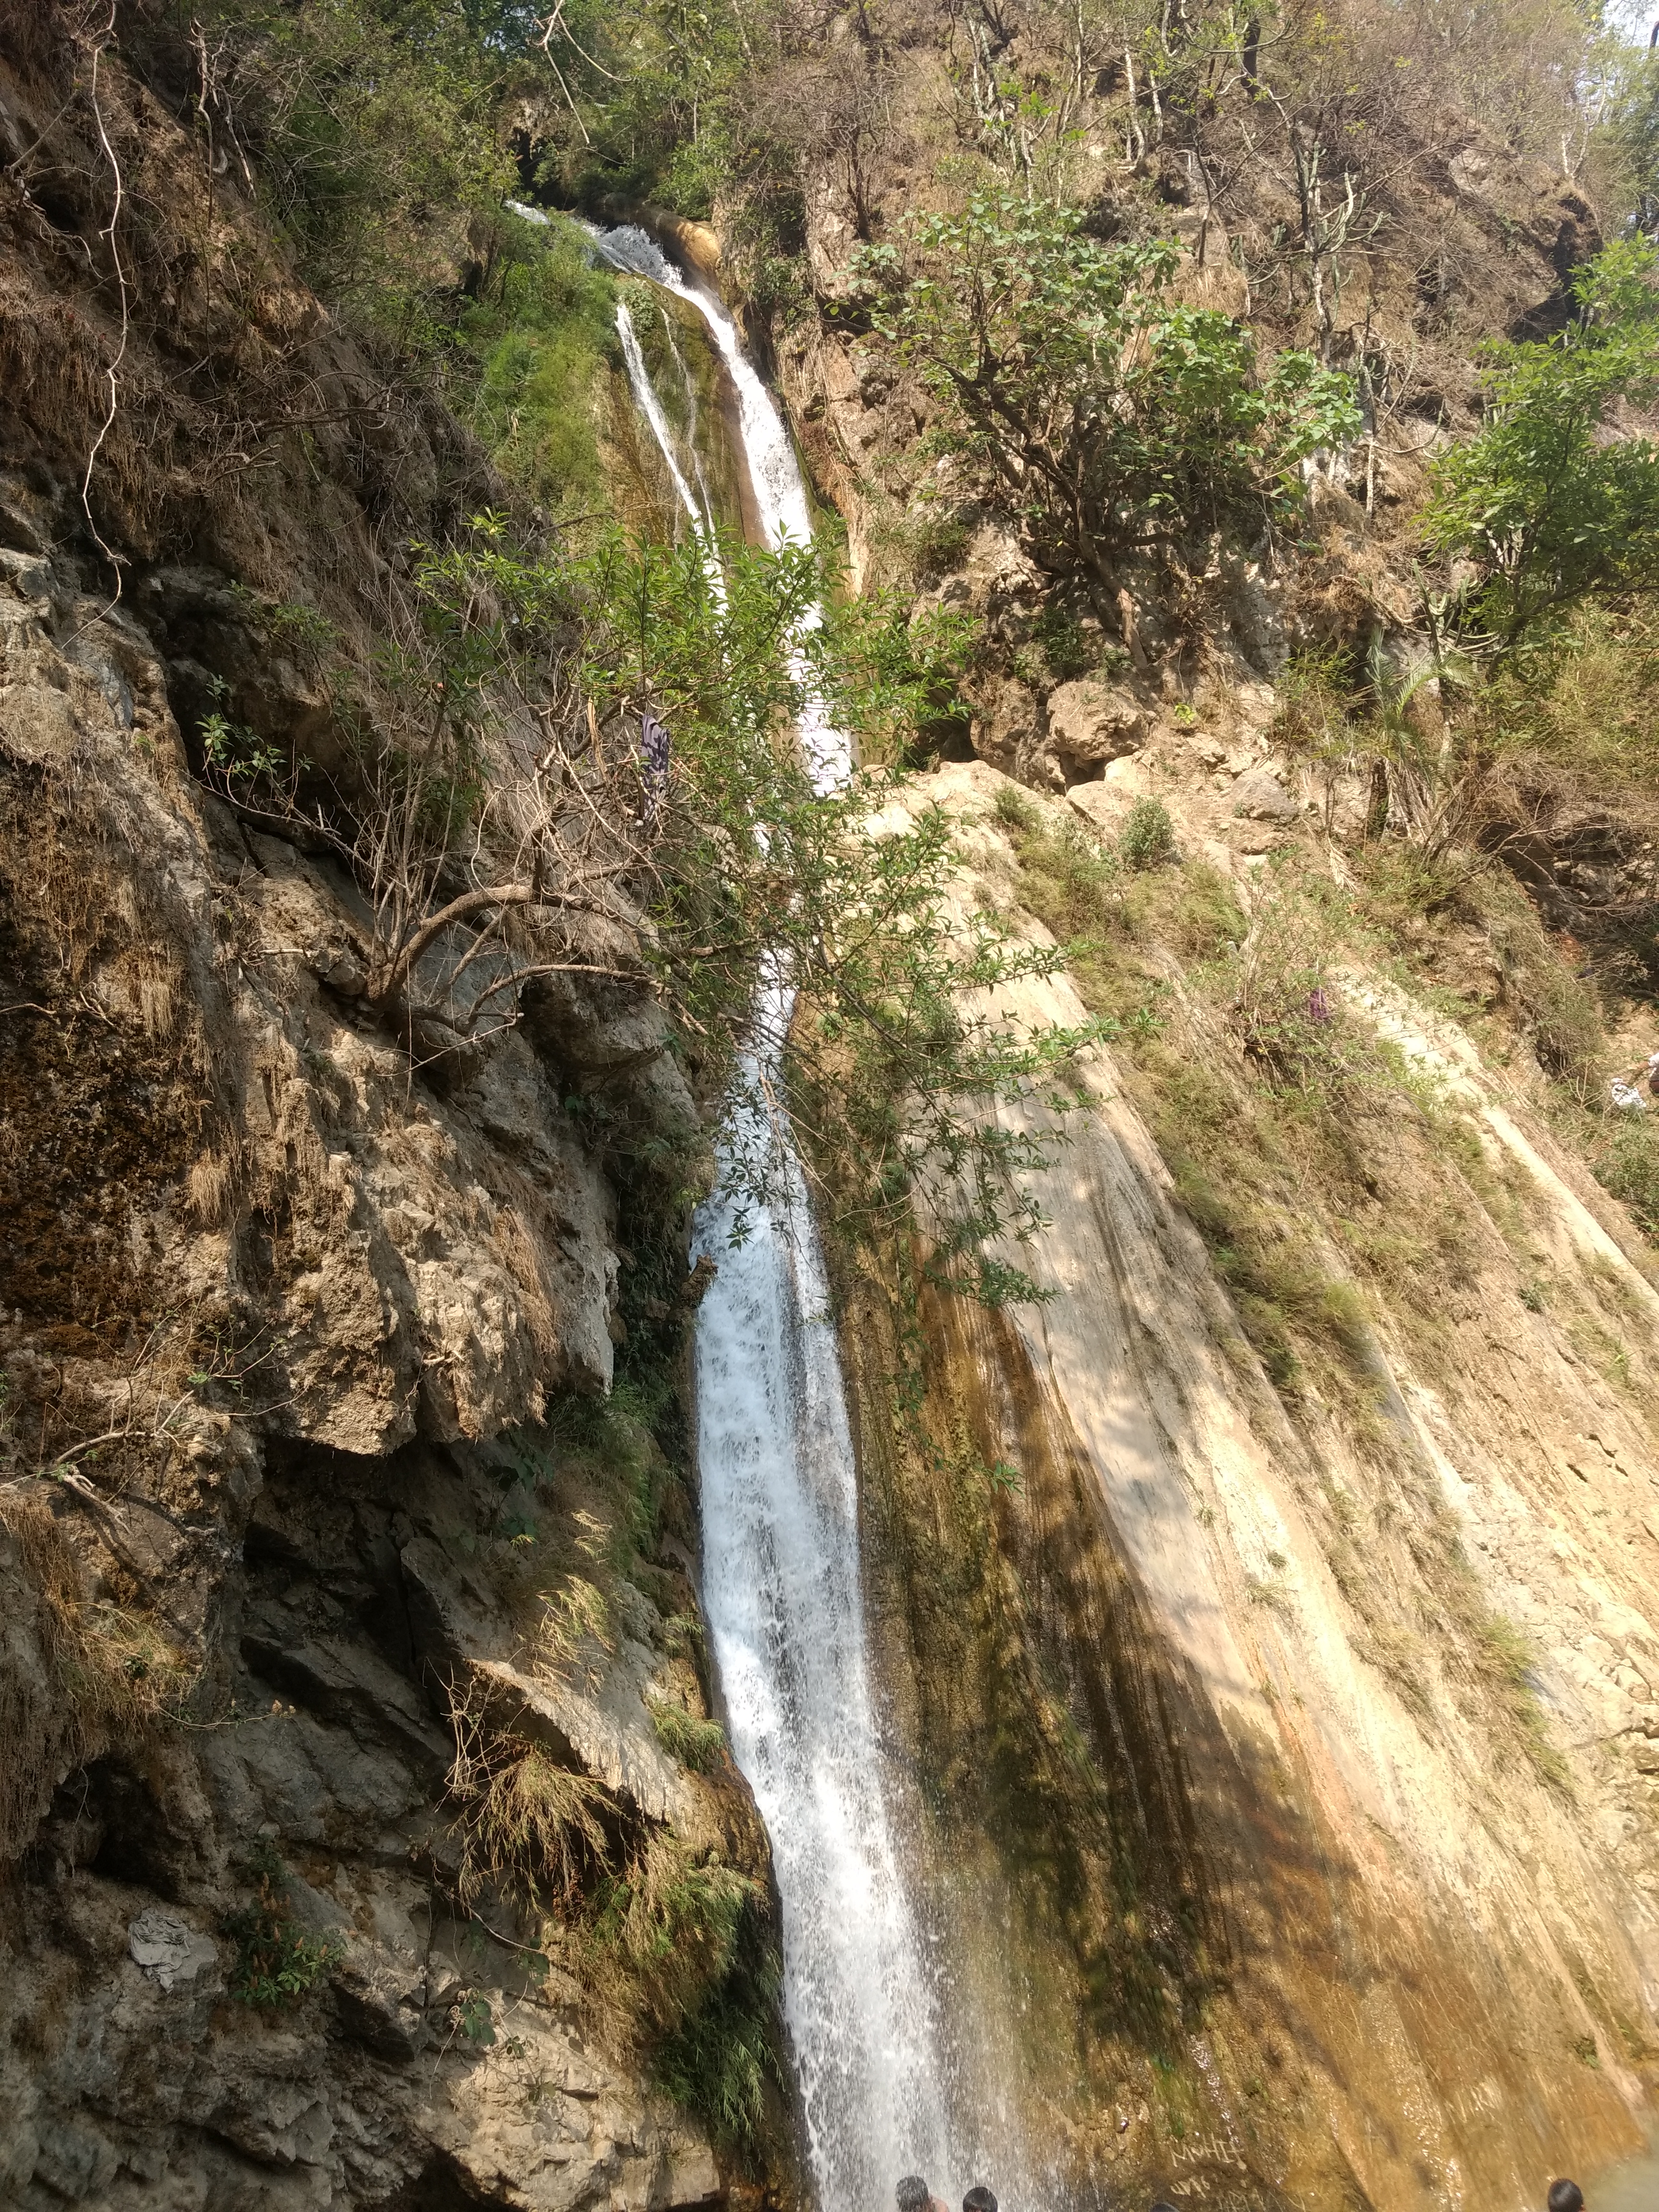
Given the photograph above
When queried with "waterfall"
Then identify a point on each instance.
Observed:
(646, 399)
(774, 473)
(782, 1590)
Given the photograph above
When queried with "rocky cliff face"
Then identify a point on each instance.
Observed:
(287, 1327)
(1268, 1612)
(1245, 1831)
(1266, 1616)
(318, 1534)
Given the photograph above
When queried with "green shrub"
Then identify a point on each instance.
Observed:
(276, 1963)
(719, 2059)
(1147, 839)
(371, 131)
(545, 336)
(1128, 421)
(891, 1064)
(1550, 508)
(1624, 1157)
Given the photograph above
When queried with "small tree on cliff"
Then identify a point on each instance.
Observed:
(1554, 501)
(1114, 421)
(585, 766)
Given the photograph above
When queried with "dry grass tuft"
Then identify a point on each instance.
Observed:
(524, 1821)
(210, 1185)
(523, 1262)
(73, 1677)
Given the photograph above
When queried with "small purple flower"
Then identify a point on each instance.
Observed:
(1319, 1006)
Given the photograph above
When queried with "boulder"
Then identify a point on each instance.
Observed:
(1005, 730)
(1090, 723)
(168, 1949)
(1260, 797)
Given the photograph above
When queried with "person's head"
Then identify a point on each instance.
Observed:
(979, 2199)
(1566, 2197)
(912, 2194)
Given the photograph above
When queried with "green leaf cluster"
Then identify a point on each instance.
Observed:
(368, 127)
(897, 1059)
(276, 1962)
(543, 334)
(1113, 420)
(1553, 502)
(1635, 133)
(693, 1937)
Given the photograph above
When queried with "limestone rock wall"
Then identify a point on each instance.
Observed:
(1263, 1896)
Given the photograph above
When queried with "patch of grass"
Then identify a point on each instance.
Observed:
(698, 1744)
(546, 340)
(1015, 810)
(1397, 1654)
(1280, 1298)
(1401, 889)
(1600, 1349)
(923, 540)
(675, 1945)
(1554, 1008)
(1504, 1660)
(721, 2059)
(1116, 919)
(1623, 1154)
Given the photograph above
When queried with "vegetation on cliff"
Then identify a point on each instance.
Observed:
(1153, 297)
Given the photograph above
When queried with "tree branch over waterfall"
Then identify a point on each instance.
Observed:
(588, 766)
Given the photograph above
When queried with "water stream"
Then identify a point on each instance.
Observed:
(782, 1581)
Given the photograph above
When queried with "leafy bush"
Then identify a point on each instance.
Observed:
(1147, 839)
(544, 332)
(1113, 420)
(1550, 505)
(276, 1962)
(368, 127)
(727, 850)
(1624, 1157)
(719, 2059)
(1635, 125)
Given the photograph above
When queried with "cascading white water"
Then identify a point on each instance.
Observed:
(646, 399)
(774, 473)
(782, 1583)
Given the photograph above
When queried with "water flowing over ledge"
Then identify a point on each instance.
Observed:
(782, 1587)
